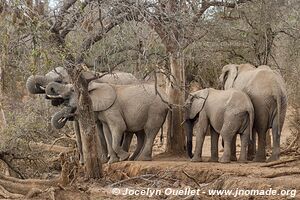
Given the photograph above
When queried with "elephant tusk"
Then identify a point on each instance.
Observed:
(62, 120)
(42, 88)
(54, 96)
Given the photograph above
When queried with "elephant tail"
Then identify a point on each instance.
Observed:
(189, 137)
(278, 101)
(281, 109)
(251, 122)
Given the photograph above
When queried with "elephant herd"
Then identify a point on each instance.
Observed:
(253, 100)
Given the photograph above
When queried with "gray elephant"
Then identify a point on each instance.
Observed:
(121, 108)
(226, 113)
(36, 84)
(267, 91)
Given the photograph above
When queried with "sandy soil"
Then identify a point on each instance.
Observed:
(178, 173)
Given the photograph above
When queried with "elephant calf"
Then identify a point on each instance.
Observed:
(226, 113)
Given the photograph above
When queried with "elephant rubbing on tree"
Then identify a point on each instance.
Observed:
(267, 91)
(120, 108)
(226, 113)
(36, 84)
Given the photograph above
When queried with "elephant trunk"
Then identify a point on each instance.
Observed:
(36, 84)
(60, 118)
(56, 90)
(189, 136)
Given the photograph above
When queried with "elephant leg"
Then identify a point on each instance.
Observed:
(146, 153)
(200, 136)
(245, 136)
(227, 149)
(244, 144)
(233, 148)
(101, 142)
(127, 141)
(140, 143)
(116, 141)
(227, 132)
(78, 141)
(214, 145)
(252, 146)
(260, 155)
(276, 142)
(112, 155)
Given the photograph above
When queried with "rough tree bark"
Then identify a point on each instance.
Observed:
(176, 135)
(85, 114)
(175, 36)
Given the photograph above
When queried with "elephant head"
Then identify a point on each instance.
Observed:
(228, 76)
(36, 84)
(230, 73)
(60, 118)
(103, 96)
(194, 105)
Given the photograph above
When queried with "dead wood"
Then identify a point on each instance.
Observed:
(8, 195)
(190, 177)
(62, 138)
(279, 162)
(292, 144)
(133, 178)
(281, 174)
(13, 187)
(48, 147)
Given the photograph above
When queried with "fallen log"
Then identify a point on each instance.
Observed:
(279, 162)
(49, 147)
(13, 187)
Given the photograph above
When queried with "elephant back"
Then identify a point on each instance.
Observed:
(120, 78)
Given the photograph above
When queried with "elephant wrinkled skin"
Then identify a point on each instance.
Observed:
(267, 91)
(226, 113)
(124, 108)
(37, 84)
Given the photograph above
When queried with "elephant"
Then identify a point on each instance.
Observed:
(36, 84)
(267, 91)
(227, 113)
(121, 108)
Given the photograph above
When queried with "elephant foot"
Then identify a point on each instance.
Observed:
(273, 158)
(250, 157)
(224, 159)
(214, 159)
(233, 158)
(123, 156)
(242, 160)
(113, 160)
(196, 159)
(259, 159)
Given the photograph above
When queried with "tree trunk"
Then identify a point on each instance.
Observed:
(92, 161)
(176, 136)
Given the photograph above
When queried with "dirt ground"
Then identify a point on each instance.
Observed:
(166, 173)
(165, 177)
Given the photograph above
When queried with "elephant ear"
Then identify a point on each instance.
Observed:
(197, 102)
(228, 76)
(102, 95)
